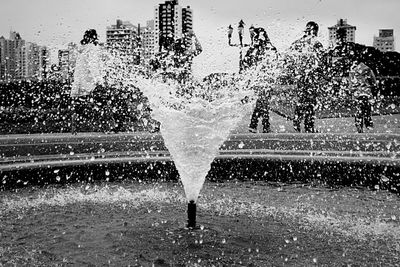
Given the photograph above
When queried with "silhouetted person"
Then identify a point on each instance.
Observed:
(88, 74)
(363, 82)
(259, 50)
(308, 70)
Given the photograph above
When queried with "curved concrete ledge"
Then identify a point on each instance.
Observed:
(18, 152)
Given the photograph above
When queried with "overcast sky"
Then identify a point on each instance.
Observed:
(56, 22)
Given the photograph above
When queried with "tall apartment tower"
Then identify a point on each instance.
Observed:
(341, 32)
(34, 61)
(66, 61)
(171, 21)
(123, 37)
(10, 57)
(30, 68)
(44, 62)
(147, 35)
(385, 41)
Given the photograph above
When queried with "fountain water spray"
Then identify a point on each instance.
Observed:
(195, 126)
(196, 116)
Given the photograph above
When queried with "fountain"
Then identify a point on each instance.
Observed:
(196, 116)
(195, 125)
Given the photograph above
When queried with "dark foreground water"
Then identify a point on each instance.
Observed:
(242, 224)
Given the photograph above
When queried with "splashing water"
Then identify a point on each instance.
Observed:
(193, 129)
(196, 116)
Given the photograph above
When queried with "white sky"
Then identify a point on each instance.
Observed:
(57, 22)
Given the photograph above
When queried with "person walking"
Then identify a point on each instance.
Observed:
(308, 52)
(363, 82)
(260, 49)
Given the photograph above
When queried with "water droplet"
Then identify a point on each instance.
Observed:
(384, 178)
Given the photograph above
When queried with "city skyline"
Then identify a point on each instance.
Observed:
(55, 23)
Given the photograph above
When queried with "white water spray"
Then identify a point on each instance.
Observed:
(196, 117)
(194, 129)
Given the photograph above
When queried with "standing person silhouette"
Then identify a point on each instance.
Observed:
(88, 74)
(307, 71)
(363, 82)
(259, 50)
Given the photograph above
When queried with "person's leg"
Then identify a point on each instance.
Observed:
(368, 114)
(298, 116)
(118, 117)
(254, 117)
(359, 116)
(73, 116)
(265, 116)
(309, 120)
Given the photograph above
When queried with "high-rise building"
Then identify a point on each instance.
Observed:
(341, 32)
(44, 62)
(147, 35)
(123, 37)
(385, 41)
(30, 61)
(10, 55)
(22, 60)
(67, 61)
(34, 61)
(170, 23)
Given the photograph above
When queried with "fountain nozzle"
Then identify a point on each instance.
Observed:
(191, 214)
